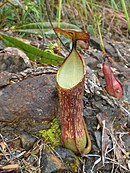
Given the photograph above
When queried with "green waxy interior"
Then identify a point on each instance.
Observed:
(71, 72)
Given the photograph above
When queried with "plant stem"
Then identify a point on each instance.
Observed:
(126, 14)
(59, 19)
(100, 36)
(113, 4)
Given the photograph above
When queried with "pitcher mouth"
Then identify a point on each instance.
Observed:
(71, 72)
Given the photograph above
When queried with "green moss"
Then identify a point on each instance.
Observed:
(52, 135)
(74, 166)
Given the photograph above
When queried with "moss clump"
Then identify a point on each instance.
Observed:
(74, 166)
(52, 135)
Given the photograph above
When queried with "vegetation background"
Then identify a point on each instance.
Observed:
(82, 13)
(28, 25)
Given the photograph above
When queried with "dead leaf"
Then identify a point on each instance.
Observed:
(73, 34)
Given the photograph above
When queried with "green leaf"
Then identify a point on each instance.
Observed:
(47, 25)
(90, 29)
(32, 52)
(42, 27)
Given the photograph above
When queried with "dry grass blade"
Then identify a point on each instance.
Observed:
(8, 164)
(3, 3)
(10, 167)
(117, 151)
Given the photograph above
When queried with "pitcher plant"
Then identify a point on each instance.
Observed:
(70, 80)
